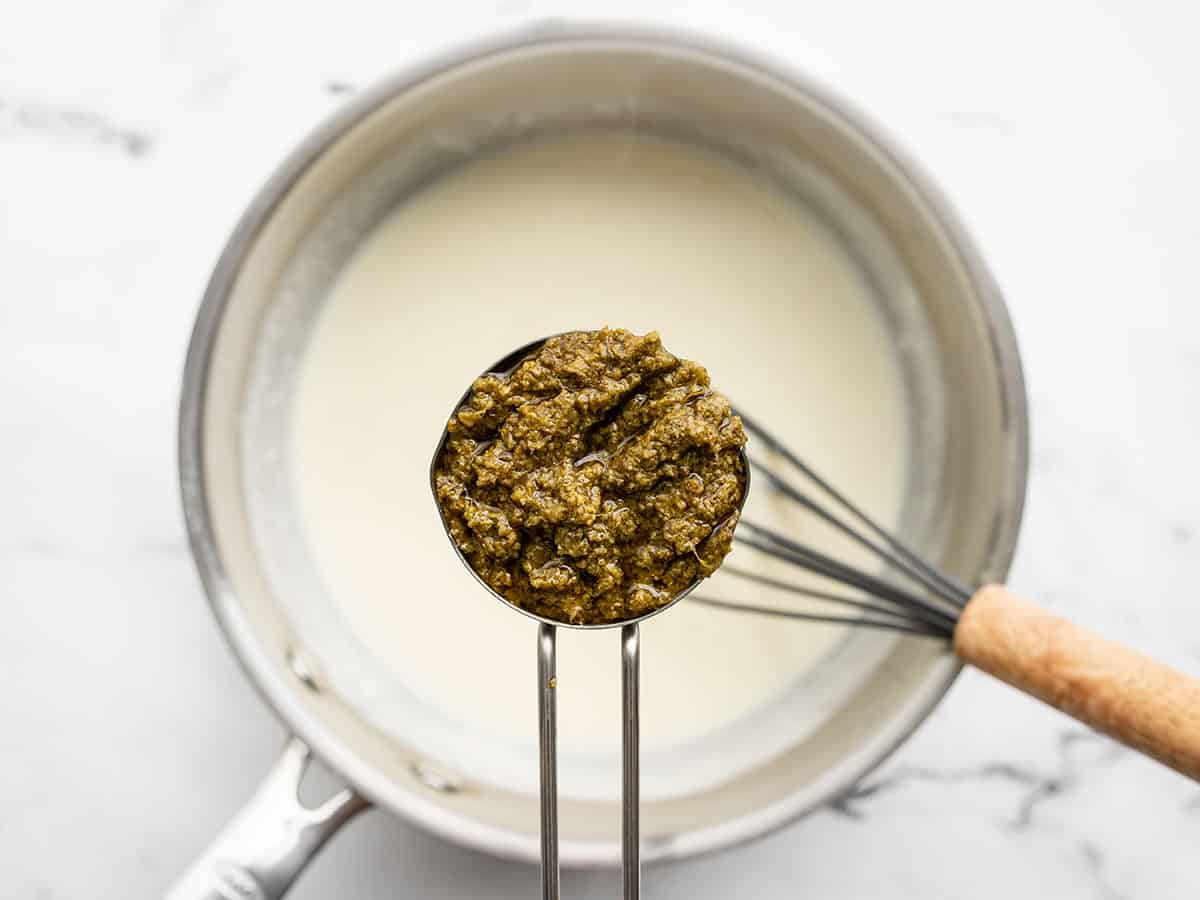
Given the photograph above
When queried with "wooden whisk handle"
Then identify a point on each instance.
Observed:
(1140, 702)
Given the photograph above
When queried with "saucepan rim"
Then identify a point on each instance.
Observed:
(282, 695)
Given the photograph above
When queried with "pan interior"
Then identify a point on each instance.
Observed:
(395, 736)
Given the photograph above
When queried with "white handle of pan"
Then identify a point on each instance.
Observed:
(270, 840)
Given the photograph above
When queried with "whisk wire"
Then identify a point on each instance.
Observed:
(863, 621)
(813, 593)
(926, 603)
(950, 589)
(783, 548)
(916, 573)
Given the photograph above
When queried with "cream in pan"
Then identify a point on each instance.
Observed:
(546, 237)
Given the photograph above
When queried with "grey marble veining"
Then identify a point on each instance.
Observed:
(131, 136)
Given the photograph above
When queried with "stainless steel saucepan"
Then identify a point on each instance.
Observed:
(962, 382)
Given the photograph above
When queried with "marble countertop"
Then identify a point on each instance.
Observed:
(133, 133)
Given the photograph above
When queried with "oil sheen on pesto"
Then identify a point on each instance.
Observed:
(594, 481)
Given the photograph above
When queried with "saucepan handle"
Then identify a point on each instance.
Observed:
(270, 841)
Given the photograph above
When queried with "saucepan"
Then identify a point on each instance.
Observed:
(963, 385)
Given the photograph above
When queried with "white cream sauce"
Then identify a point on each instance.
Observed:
(570, 234)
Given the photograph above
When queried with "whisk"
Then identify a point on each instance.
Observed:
(1136, 700)
(929, 605)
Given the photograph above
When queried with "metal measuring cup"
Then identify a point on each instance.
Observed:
(631, 868)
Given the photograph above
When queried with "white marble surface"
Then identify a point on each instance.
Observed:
(133, 132)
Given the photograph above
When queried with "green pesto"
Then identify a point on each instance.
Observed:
(596, 480)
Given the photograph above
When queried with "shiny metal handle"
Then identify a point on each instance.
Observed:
(631, 862)
(548, 746)
(271, 840)
(631, 849)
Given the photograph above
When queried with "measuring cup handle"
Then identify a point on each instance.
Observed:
(271, 839)
(631, 835)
